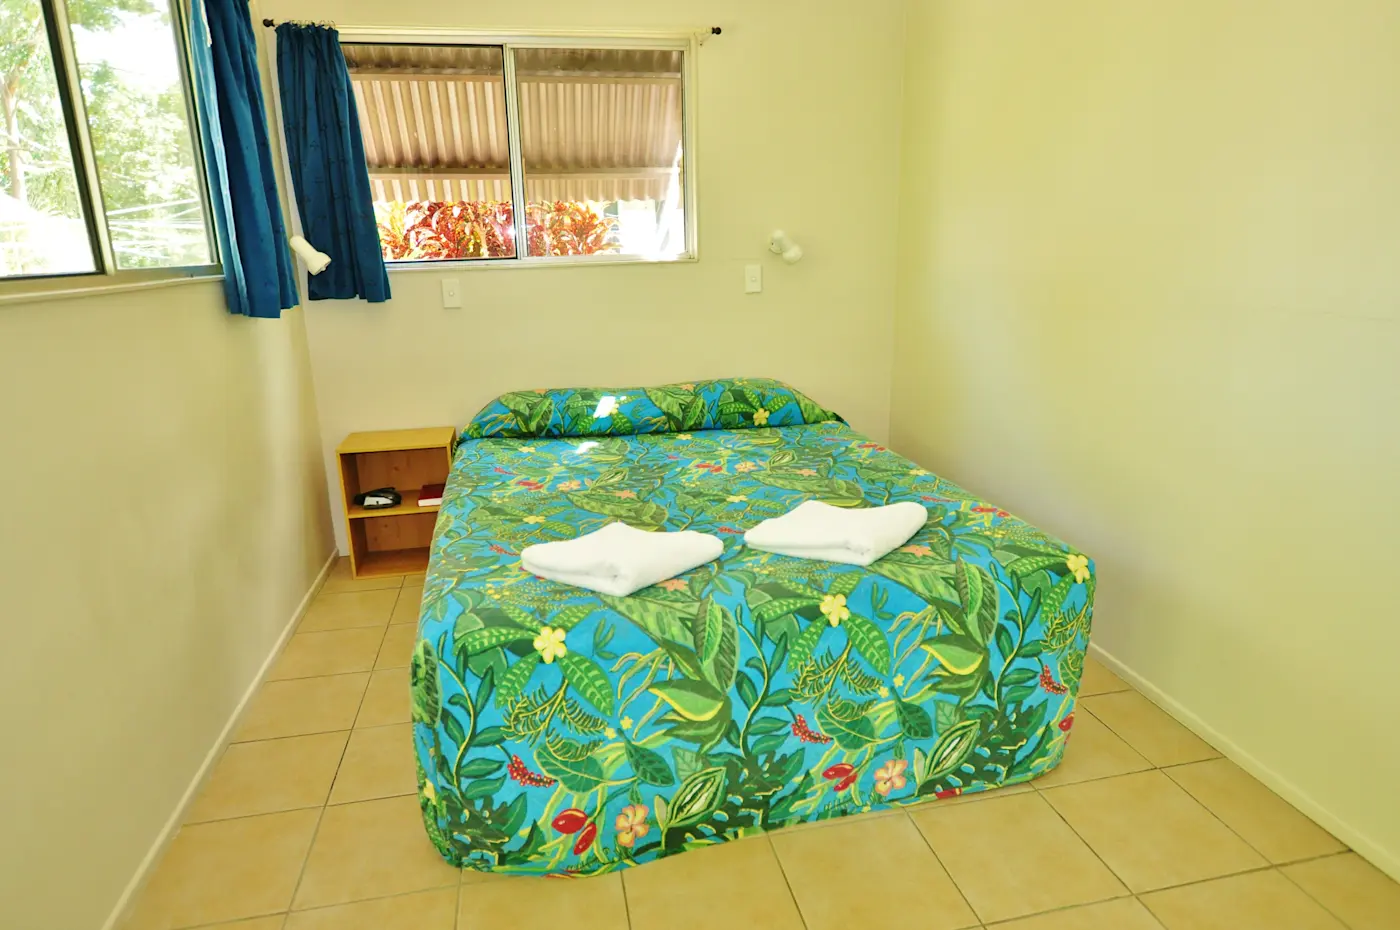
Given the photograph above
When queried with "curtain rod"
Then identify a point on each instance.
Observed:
(270, 23)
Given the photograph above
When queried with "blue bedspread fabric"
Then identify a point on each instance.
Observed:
(559, 731)
(677, 408)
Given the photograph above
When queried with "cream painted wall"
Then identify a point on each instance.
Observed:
(798, 121)
(164, 515)
(1148, 298)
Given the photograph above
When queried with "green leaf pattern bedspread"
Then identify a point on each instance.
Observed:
(562, 731)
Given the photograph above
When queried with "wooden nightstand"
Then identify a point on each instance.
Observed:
(393, 541)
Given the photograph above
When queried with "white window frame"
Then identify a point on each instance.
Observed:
(108, 276)
(685, 41)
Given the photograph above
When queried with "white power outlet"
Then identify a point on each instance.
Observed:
(753, 279)
(451, 294)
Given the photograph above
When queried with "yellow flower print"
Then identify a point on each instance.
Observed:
(550, 644)
(1079, 567)
(684, 436)
(807, 472)
(745, 466)
(736, 498)
(884, 692)
(570, 485)
(625, 723)
(918, 472)
(899, 681)
(834, 608)
(609, 732)
(688, 387)
(675, 584)
(535, 519)
(890, 776)
(920, 551)
(527, 448)
(429, 791)
(760, 417)
(631, 824)
(626, 495)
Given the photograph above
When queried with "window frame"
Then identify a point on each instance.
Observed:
(687, 42)
(107, 275)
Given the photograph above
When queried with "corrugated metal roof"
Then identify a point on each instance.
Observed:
(596, 124)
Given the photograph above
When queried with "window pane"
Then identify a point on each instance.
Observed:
(41, 215)
(434, 125)
(601, 140)
(129, 62)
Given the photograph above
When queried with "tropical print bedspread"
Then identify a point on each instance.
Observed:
(559, 731)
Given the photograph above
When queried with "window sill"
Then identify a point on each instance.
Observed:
(581, 261)
(95, 289)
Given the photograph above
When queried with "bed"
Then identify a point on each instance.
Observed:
(562, 732)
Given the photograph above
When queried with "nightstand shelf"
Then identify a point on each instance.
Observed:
(410, 505)
(394, 540)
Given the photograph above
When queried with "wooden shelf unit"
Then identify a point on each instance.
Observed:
(395, 540)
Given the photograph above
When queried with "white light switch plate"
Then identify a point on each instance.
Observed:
(451, 294)
(753, 279)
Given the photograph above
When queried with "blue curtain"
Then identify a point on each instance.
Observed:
(258, 276)
(327, 157)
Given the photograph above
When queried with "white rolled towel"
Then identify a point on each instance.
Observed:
(619, 559)
(856, 536)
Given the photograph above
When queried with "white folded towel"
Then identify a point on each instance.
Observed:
(619, 559)
(857, 536)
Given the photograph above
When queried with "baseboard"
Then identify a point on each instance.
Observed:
(177, 816)
(1386, 860)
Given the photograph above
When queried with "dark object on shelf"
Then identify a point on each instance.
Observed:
(379, 499)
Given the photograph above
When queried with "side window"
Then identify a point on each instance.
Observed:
(98, 171)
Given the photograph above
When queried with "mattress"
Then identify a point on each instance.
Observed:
(559, 731)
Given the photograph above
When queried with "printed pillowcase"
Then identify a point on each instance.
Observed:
(738, 403)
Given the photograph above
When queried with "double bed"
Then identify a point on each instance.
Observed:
(559, 731)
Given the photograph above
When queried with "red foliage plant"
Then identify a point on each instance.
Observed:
(438, 229)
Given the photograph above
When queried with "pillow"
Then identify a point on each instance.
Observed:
(737, 403)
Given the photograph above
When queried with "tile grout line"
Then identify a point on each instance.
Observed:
(1161, 768)
(358, 671)
(301, 874)
(369, 677)
(1158, 769)
(626, 905)
(326, 803)
(383, 638)
(936, 858)
(1259, 852)
(801, 918)
(1152, 915)
(1034, 782)
(1309, 895)
(1129, 743)
(1062, 908)
(1081, 695)
(1089, 846)
(1040, 793)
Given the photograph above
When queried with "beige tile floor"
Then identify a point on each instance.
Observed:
(309, 822)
